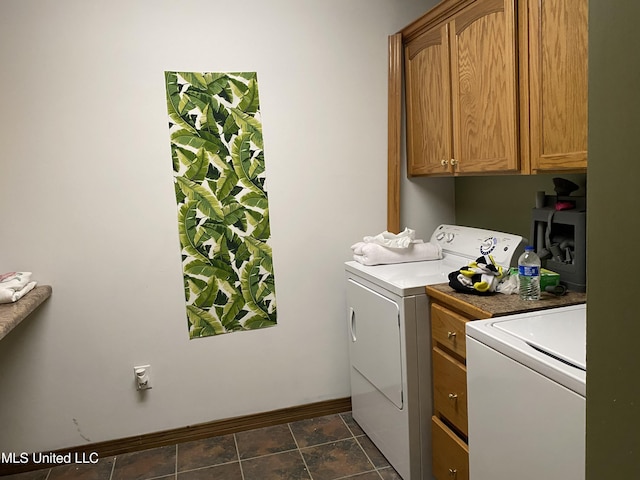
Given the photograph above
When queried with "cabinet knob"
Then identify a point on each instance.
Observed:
(453, 396)
(451, 335)
(444, 162)
(453, 472)
(454, 162)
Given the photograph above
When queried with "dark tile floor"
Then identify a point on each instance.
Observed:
(324, 448)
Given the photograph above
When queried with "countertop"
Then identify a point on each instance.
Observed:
(499, 304)
(11, 314)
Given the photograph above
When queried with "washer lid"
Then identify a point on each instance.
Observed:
(559, 334)
(551, 342)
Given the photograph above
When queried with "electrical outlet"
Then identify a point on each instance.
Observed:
(142, 375)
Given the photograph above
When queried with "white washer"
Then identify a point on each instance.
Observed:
(390, 342)
(526, 382)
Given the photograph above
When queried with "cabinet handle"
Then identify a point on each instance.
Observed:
(444, 162)
(352, 323)
(454, 162)
(451, 335)
(453, 472)
(453, 396)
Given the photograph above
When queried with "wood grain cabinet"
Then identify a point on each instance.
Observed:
(451, 454)
(558, 66)
(428, 100)
(497, 86)
(449, 422)
(461, 81)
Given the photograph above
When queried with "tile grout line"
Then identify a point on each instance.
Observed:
(268, 454)
(375, 468)
(295, 440)
(347, 425)
(355, 437)
(113, 467)
(205, 467)
(347, 477)
(235, 442)
(337, 440)
(352, 437)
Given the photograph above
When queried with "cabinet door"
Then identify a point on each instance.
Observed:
(428, 100)
(484, 83)
(450, 389)
(450, 454)
(558, 36)
(448, 329)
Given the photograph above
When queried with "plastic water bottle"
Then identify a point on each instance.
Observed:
(529, 274)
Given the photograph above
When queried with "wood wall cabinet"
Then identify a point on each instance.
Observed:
(558, 66)
(461, 81)
(497, 86)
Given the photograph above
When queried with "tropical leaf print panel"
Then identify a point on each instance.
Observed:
(223, 210)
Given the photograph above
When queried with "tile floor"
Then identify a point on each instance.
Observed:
(324, 448)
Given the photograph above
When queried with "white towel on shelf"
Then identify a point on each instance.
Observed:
(14, 279)
(14, 286)
(374, 254)
(392, 240)
(9, 295)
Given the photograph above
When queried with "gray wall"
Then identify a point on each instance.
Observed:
(504, 203)
(613, 326)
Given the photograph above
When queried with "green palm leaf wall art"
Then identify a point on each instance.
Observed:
(223, 210)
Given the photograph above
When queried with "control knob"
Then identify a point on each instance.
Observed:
(488, 245)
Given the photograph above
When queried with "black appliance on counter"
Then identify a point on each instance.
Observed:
(559, 233)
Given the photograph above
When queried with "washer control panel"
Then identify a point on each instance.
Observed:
(505, 248)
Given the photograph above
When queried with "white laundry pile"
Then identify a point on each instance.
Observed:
(387, 248)
(14, 286)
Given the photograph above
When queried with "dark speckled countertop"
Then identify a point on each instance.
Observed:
(499, 304)
(11, 314)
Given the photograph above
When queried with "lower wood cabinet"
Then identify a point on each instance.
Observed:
(449, 423)
(447, 329)
(449, 314)
(450, 453)
(450, 389)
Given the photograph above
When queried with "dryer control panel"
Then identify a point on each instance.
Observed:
(469, 242)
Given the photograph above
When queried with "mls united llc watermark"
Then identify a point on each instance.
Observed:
(48, 458)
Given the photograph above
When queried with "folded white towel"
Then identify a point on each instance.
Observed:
(15, 280)
(392, 240)
(374, 254)
(9, 295)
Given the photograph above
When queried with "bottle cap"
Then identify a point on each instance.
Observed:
(528, 247)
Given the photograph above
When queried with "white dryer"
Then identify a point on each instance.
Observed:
(390, 342)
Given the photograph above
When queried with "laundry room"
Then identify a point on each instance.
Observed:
(113, 200)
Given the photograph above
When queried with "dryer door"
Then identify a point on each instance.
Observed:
(374, 334)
